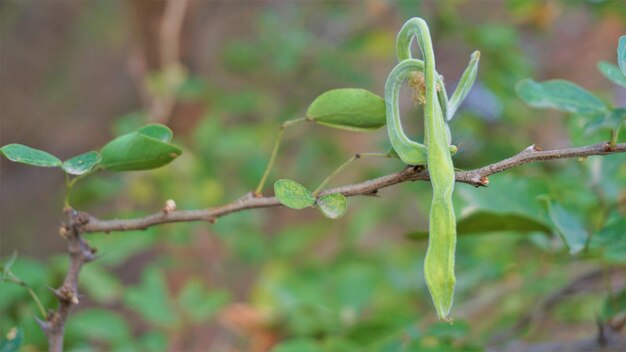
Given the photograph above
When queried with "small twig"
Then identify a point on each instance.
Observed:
(169, 44)
(476, 177)
(67, 294)
(281, 130)
(343, 166)
(170, 31)
(14, 279)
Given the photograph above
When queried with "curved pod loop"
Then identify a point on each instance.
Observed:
(410, 152)
(414, 28)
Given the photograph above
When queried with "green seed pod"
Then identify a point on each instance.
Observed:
(349, 109)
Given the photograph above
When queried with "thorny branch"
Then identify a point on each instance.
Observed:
(79, 222)
(477, 177)
(67, 294)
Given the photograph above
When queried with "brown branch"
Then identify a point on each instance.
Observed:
(67, 294)
(170, 34)
(477, 177)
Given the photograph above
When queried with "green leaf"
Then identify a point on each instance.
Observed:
(292, 194)
(333, 206)
(157, 131)
(560, 95)
(621, 54)
(26, 155)
(611, 240)
(465, 84)
(568, 225)
(506, 195)
(100, 325)
(199, 303)
(150, 299)
(482, 222)
(614, 305)
(82, 164)
(297, 345)
(12, 341)
(612, 73)
(350, 109)
(610, 120)
(101, 286)
(6, 268)
(137, 151)
(151, 341)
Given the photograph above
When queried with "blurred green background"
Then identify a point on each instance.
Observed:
(77, 73)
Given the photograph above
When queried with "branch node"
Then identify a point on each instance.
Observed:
(170, 206)
(45, 325)
(64, 231)
(81, 218)
(418, 168)
(65, 294)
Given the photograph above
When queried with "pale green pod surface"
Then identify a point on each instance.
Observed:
(403, 52)
(409, 151)
(439, 263)
(465, 84)
(348, 108)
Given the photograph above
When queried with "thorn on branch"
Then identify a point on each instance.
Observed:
(45, 325)
(372, 193)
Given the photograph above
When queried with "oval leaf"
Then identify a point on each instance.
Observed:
(82, 164)
(157, 131)
(349, 109)
(612, 73)
(137, 151)
(560, 95)
(333, 206)
(26, 155)
(611, 120)
(12, 341)
(568, 225)
(485, 222)
(99, 325)
(292, 194)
